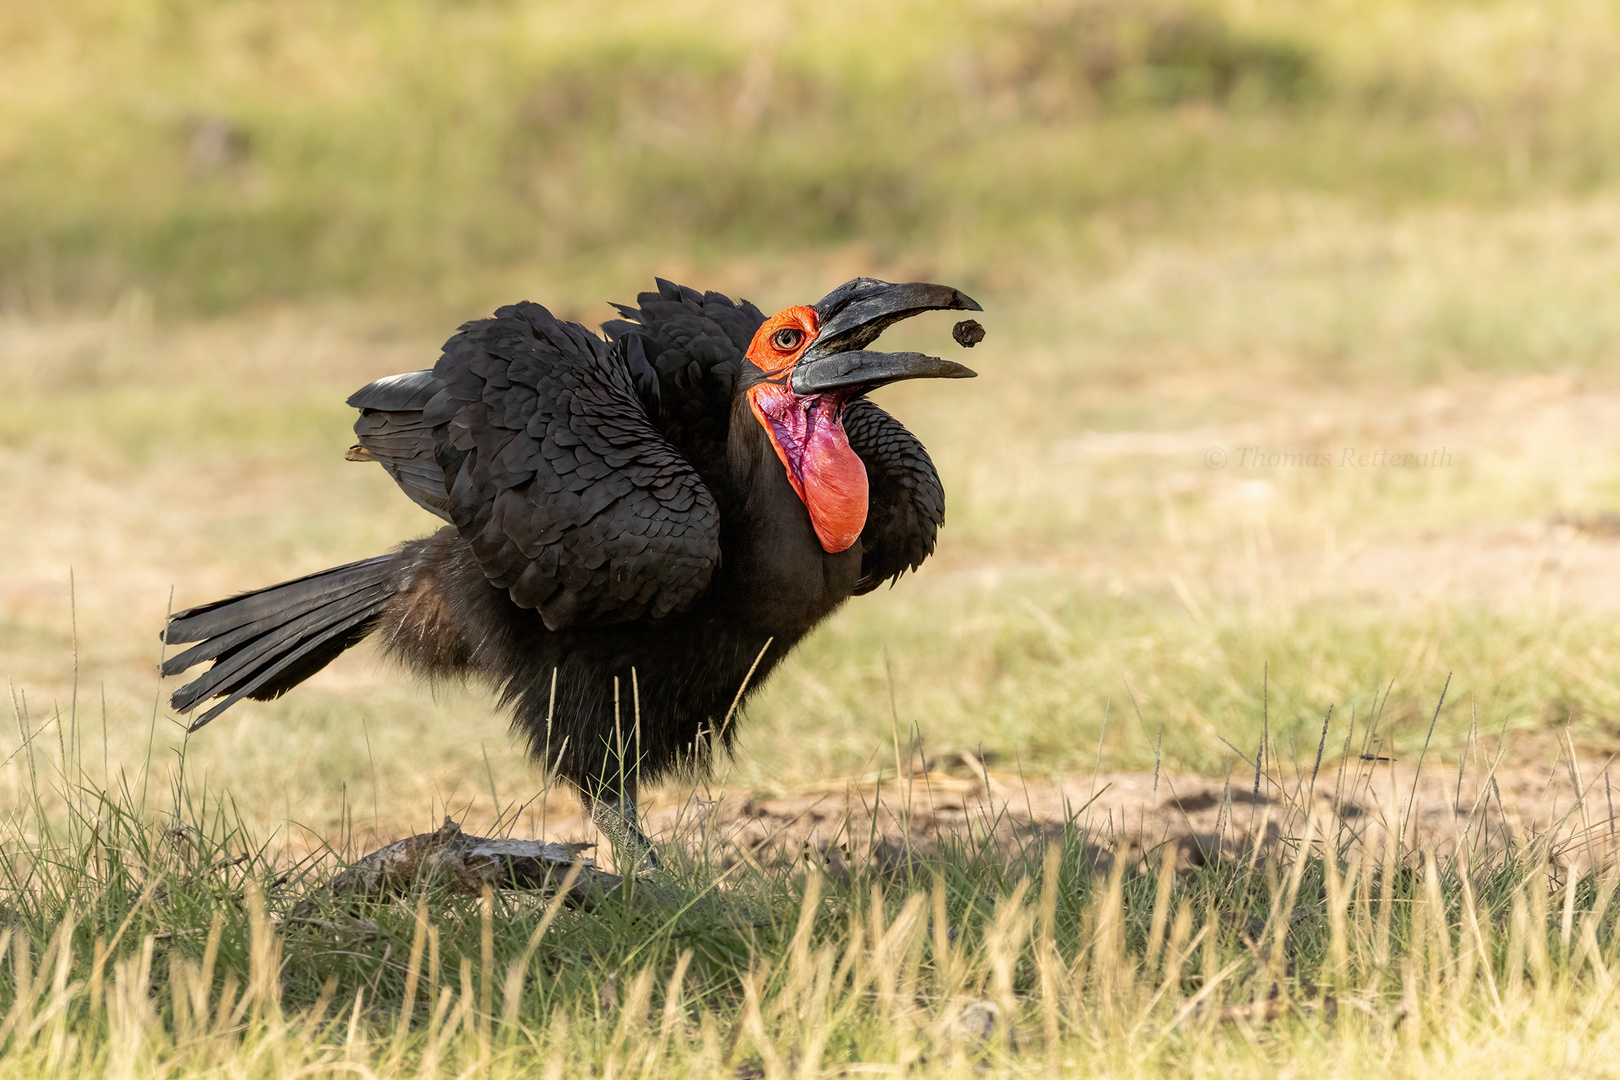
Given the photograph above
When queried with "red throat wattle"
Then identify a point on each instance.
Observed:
(808, 433)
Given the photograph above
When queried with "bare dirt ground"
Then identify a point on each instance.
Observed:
(1481, 807)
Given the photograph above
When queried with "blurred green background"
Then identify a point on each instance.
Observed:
(217, 153)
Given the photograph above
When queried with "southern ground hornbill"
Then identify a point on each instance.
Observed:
(641, 528)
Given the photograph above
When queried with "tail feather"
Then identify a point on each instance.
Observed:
(353, 629)
(273, 602)
(265, 642)
(269, 646)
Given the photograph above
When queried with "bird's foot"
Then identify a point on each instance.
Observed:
(633, 852)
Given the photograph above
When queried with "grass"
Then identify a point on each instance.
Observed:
(148, 931)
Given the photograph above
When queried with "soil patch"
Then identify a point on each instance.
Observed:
(1356, 803)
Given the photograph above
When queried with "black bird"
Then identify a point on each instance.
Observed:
(641, 527)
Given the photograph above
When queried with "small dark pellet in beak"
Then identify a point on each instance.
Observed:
(968, 333)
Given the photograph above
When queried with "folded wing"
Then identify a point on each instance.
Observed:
(392, 433)
(530, 436)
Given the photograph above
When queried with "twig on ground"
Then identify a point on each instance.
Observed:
(470, 864)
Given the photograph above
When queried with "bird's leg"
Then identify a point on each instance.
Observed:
(615, 815)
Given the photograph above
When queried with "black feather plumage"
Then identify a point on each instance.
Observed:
(623, 543)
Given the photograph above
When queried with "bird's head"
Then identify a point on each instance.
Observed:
(809, 361)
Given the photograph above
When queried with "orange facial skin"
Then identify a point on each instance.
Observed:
(808, 432)
(770, 356)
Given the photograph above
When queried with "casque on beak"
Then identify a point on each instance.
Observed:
(852, 316)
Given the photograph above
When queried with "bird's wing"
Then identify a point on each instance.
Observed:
(567, 495)
(906, 503)
(391, 432)
(685, 351)
(688, 334)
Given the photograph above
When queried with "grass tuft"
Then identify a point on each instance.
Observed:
(159, 940)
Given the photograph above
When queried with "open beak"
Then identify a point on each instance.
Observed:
(852, 316)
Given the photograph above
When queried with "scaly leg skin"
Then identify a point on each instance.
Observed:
(633, 852)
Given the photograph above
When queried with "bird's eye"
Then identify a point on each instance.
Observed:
(787, 339)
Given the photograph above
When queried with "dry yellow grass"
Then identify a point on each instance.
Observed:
(1514, 978)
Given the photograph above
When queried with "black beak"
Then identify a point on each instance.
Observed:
(853, 315)
(817, 374)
